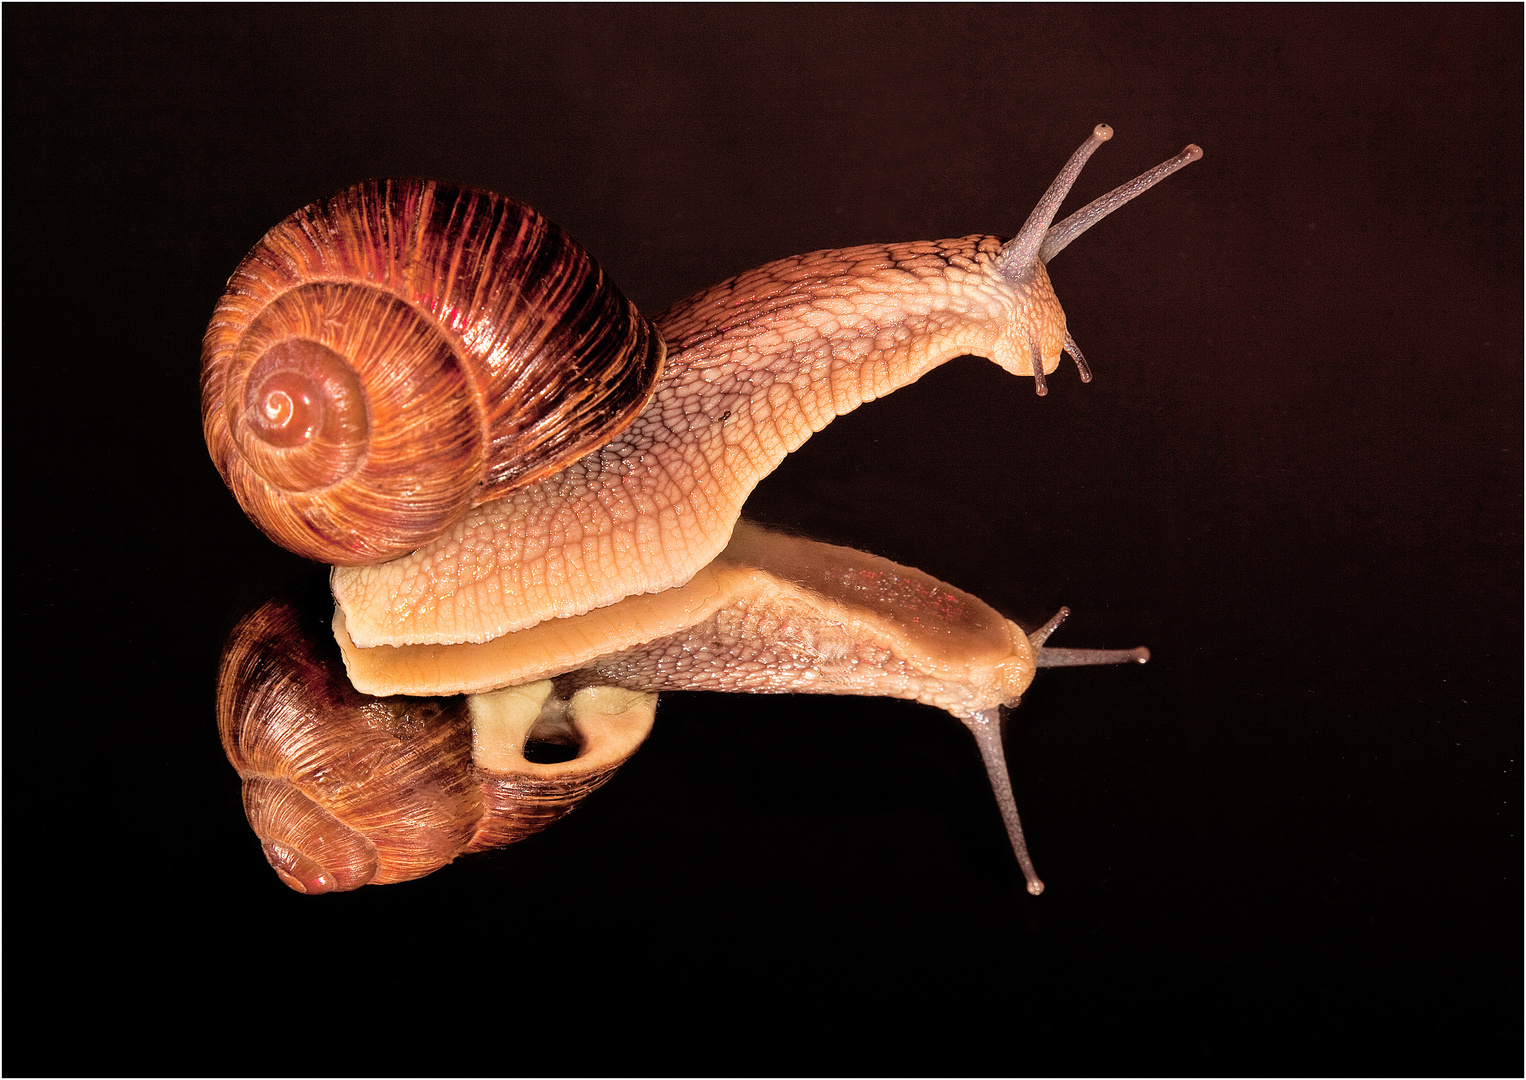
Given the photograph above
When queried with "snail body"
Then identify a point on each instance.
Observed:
(779, 353)
(574, 520)
(771, 614)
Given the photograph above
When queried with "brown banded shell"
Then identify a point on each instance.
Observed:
(345, 789)
(342, 788)
(406, 349)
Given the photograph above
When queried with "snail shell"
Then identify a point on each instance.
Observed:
(345, 789)
(389, 357)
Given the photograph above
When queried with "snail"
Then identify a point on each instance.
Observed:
(520, 480)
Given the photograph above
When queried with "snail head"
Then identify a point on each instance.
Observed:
(1032, 342)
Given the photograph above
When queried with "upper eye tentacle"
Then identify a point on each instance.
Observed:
(1022, 251)
(1058, 236)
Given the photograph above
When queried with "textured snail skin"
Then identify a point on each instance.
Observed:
(772, 614)
(755, 366)
(802, 616)
(394, 354)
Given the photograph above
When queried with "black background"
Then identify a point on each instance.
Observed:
(1291, 843)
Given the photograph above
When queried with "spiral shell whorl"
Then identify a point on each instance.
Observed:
(344, 789)
(391, 356)
(341, 788)
(310, 849)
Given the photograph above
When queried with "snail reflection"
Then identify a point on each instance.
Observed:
(346, 789)
(531, 493)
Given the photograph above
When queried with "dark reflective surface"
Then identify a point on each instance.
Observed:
(1290, 843)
